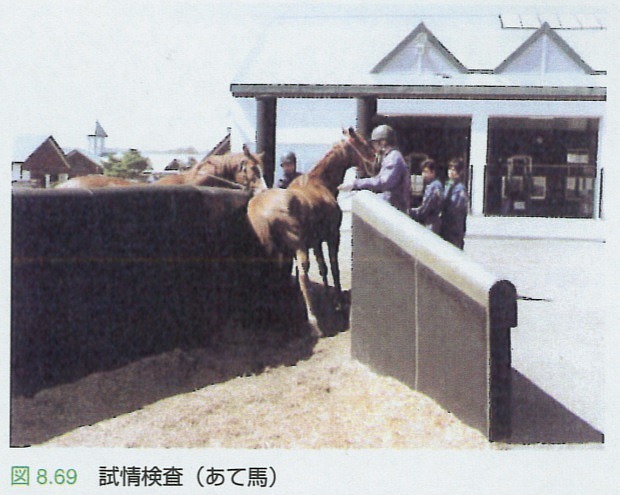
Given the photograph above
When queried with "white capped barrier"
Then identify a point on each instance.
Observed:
(425, 313)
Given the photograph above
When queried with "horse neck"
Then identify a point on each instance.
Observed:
(220, 166)
(330, 169)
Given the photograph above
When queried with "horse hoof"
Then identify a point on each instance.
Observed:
(313, 323)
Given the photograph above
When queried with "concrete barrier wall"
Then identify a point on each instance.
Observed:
(102, 277)
(427, 315)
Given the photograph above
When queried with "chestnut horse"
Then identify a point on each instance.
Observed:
(289, 222)
(95, 181)
(233, 170)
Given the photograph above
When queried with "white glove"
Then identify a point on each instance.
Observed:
(346, 187)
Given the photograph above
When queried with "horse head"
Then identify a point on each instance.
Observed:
(361, 152)
(250, 171)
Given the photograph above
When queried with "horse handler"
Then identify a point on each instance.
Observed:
(288, 162)
(393, 180)
(429, 212)
(456, 205)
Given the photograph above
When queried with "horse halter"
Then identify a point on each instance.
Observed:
(365, 161)
(216, 177)
(231, 183)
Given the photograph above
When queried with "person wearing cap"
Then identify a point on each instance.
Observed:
(288, 162)
(393, 181)
(456, 205)
(429, 212)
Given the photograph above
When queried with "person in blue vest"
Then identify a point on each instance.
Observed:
(456, 205)
(393, 181)
(429, 212)
(288, 162)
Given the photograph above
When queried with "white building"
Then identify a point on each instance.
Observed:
(521, 98)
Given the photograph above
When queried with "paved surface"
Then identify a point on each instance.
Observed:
(558, 345)
(559, 341)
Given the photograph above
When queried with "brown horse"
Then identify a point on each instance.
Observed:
(233, 170)
(95, 181)
(289, 222)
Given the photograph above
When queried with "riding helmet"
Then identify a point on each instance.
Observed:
(382, 132)
(288, 158)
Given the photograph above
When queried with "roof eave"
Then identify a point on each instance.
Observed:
(549, 93)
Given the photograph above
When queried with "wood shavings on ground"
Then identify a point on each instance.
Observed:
(325, 401)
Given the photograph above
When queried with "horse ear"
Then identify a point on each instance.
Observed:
(352, 133)
(246, 152)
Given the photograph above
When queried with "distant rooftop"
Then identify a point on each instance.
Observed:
(99, 132)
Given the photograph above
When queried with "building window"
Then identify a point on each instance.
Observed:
(541, 167)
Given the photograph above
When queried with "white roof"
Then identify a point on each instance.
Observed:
(344, 50)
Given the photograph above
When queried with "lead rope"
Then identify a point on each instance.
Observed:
(235, 185)
(226, 181)
(365, 161)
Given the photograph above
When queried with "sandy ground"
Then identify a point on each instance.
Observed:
(325, 401)
(245, 391)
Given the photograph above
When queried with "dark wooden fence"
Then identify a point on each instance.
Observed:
(102, 277)
(427, 315)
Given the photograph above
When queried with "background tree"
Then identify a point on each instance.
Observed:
(129, 166)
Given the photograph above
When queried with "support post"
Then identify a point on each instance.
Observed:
(266, 134)
(366, 110)
(478, 157)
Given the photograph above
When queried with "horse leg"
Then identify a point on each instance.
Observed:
(318, 252)
(285, 266)
(303, 265)
(333, 246)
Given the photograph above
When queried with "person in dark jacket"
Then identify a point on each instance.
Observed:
(393, 181)
(456, 205)
(429, 212)
(288, 162)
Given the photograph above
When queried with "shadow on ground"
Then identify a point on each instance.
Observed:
(235, 351)
(332, 310)
(236, 348)
(539, 418)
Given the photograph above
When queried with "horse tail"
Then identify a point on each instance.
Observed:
(260, 226)
(285, 235)
(276, 235)
(276, 229)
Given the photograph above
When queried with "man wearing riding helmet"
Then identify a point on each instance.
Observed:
(288, 162)
(393, 181)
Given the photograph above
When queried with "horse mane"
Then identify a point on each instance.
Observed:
(337, 151)
(326, 171)
(223, 165)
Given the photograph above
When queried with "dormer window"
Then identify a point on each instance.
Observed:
(420, 53)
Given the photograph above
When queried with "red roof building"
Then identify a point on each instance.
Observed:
(47, 164)
(82, 165)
